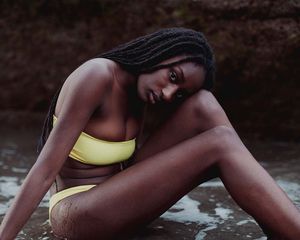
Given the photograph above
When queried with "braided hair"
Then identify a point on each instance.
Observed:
(144, 54)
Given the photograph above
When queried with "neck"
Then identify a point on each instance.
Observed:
(127, 83)
(123, 78)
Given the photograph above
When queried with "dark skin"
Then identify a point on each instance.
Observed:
(177, 157)
(115, 121)
(112, 120)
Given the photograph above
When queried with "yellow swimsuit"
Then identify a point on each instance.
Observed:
(90, 150)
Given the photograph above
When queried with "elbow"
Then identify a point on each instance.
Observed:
(43, 173)
(48, 177)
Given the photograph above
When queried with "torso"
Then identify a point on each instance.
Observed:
(116, 120)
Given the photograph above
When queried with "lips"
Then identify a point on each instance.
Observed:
(153, 97)
(156, 97)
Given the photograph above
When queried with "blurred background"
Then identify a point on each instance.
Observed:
(257, 49)
(256, 44)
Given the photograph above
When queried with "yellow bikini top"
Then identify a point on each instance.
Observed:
(95, 151)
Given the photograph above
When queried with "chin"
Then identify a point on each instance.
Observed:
(142, 97)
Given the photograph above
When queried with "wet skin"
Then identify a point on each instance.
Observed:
(208, 136)
(195, 144)
(120, 123)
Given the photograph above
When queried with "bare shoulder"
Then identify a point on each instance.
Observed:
(94, 73)
(87, 86)
(91, 80)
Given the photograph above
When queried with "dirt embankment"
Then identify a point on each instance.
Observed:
(257, 47)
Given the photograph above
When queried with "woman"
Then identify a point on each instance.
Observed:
(95, 193)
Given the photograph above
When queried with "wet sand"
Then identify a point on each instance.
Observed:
(208, 212)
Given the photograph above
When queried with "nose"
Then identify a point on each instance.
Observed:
(168, 92)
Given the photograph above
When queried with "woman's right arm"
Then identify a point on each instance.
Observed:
(87, 87)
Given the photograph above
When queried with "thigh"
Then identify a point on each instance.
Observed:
(178, 156)
(197, 114)
(140, 193)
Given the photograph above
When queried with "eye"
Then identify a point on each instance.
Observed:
(173, 77)
(180, 94)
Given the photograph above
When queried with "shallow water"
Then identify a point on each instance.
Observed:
(208, 212)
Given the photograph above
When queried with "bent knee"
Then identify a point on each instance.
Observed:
(207, 110)
(226, 139)
(228, 144)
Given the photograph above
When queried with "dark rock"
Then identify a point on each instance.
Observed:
(257, 47)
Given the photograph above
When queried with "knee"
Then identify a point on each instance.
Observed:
(228, 146)
(206, 105)
(227, 141)
(207, 110)
(205, 100)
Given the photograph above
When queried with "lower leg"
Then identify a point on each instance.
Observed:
(142, 192)
(257, 193)
(239, 173)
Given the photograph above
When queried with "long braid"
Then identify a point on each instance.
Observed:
(144, 54)
(48, 122)
(148, 51)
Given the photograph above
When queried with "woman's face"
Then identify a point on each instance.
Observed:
(168, 84)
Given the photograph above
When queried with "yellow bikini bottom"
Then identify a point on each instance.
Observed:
(57, 197)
